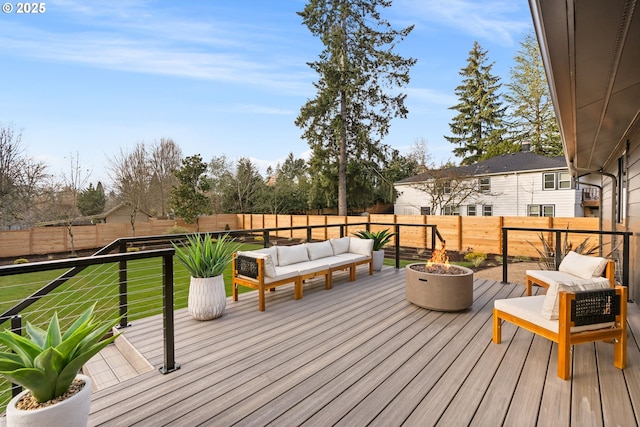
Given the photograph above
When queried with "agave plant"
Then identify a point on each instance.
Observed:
(47, 362)
(204, 256)
(380, 238)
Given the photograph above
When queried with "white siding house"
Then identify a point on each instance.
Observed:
(518, 184)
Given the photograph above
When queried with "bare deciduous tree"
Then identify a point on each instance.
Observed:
(164, 160)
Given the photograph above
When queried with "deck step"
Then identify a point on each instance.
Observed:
(117, 362)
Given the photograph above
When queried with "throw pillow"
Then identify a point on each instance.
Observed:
(273, 251)
(551, 305)
(269, 266)
(361, 246)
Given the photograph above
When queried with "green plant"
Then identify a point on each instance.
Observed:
(380, 238)
(47, 363)
(477, 258)
(204, 256)
(20, 261)
(176, 229)
(546, 254)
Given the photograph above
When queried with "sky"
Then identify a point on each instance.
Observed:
(89, 79)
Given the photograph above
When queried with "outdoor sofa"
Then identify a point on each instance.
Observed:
(268, 268)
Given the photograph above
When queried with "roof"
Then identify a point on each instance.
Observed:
(590, 52)
(523, 161)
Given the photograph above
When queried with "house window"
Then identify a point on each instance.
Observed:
(487, 210)
(451, 210)
(446, 188)
(485, 185)
(540, 210)
(425, 210)
(564, 180)
(549, 181)
(471, 210)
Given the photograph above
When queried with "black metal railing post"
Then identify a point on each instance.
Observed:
(308, 233)
(625, 259)
(265, 238)
(558, 249)
(16, 327)
(397, 231)
(122, 289)
(505, 257)
(167, 315)
(341, 231)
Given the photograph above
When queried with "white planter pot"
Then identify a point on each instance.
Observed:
(72, 412)
(207, 297)
(378, 259)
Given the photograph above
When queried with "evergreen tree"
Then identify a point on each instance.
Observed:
(354, 105)
(532, 116)
(188, 198)
(91, 201)
(478, 129)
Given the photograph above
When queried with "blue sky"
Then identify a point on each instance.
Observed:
(89, 78)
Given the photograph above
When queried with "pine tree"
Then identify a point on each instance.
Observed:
(188, 198)
(354, 105)
(532, 117)
(478, 129)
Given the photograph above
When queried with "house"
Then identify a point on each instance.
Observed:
(591, 53)
(518, 184)
(120, 214)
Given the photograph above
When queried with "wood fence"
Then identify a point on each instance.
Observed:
(462, 233)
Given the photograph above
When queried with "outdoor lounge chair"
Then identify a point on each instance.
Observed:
(582, 316)
(575, 268)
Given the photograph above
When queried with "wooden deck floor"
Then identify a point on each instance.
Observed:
(360, 354)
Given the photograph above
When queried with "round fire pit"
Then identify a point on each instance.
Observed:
(439, 287)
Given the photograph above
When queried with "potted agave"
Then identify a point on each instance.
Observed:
(46, 365)
(206, 258)
(380, 239)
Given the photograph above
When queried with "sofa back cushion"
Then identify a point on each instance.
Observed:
(551, 306)
(273, 251)
(269, 265)
(292, 254)
(319, 250)
(361, 246)
(341, 245)
(583, 266)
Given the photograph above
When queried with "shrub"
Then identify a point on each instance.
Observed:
(477, 258)
(21, 261)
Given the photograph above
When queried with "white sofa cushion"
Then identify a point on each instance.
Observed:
(529, 308)
(269, 266)
(551, 305)
(292, 254)
(341, 245)
(361, 246)
(273, 251)
(319, 250)
(583, 266)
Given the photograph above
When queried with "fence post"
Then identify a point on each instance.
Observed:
(170, 364)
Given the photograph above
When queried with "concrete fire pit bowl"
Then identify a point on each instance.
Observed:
(440, 287)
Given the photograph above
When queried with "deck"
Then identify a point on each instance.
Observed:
(360, 354)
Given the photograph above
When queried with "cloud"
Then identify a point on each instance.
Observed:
(488, 19)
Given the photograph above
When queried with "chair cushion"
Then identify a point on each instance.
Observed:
(361, 246)
(319, 250)
(583, 266)
(551, 305)
(269, 266)
(528, 308)
(341, 245)
(292, 254)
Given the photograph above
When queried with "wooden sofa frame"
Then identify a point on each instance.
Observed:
(567, 319)
(610, 272)
(256, 279)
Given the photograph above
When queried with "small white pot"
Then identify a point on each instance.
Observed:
(207, 297)
(378, 259)
(72, 412)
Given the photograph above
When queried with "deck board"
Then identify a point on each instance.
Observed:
(360, 354)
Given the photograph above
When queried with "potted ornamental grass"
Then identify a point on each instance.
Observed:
(380, 239)
(206, 259)
(47, 364)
